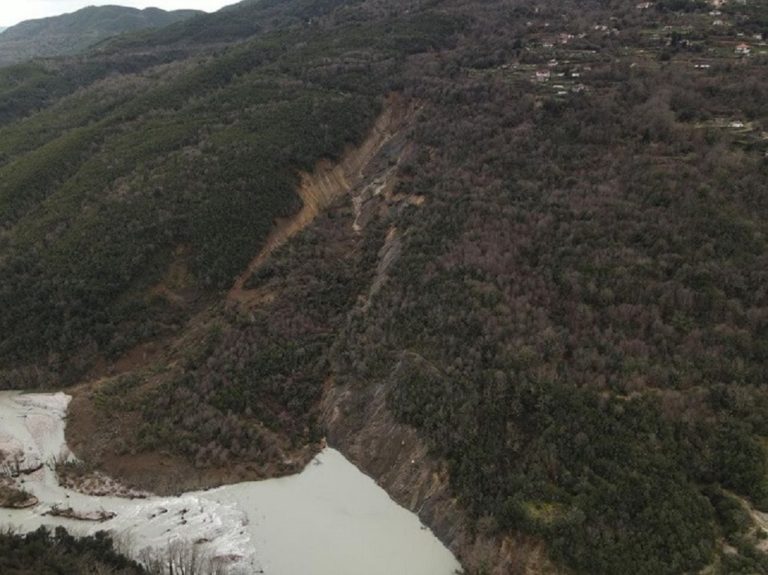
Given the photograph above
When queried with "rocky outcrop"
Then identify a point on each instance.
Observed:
(360, 425)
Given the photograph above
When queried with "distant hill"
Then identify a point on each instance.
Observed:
(72, 33)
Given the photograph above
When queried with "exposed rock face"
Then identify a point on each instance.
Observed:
(360, 426)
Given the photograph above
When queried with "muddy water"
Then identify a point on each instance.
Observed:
(328, 520)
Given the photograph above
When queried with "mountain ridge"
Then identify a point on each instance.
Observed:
(70, 33)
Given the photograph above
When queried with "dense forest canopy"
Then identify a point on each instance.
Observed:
(58, 553)
(557, 273)
(180, 168)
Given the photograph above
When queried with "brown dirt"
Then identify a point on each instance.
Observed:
(328, 183)
(95, 437)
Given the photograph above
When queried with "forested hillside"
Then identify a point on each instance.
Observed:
(528, 240)
(126, 202)
(73, 33)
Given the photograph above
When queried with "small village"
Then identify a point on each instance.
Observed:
(566, 59)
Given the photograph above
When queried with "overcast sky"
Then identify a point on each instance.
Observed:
(15, 11)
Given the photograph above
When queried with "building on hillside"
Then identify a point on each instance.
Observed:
(543, 75)
(742, 49)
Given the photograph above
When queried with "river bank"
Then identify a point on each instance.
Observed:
(329, 519)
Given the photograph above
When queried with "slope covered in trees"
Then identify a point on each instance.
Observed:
(558, 279)
(576, 287)
(73, 33)
(129, 200)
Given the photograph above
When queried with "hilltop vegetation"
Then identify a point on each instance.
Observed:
(559, 282)
(73, 33)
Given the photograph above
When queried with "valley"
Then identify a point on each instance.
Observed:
(507, 259)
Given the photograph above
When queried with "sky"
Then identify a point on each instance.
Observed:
(15, 11)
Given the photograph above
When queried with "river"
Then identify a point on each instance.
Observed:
(330, 519)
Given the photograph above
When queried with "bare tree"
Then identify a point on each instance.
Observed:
(181, 557)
